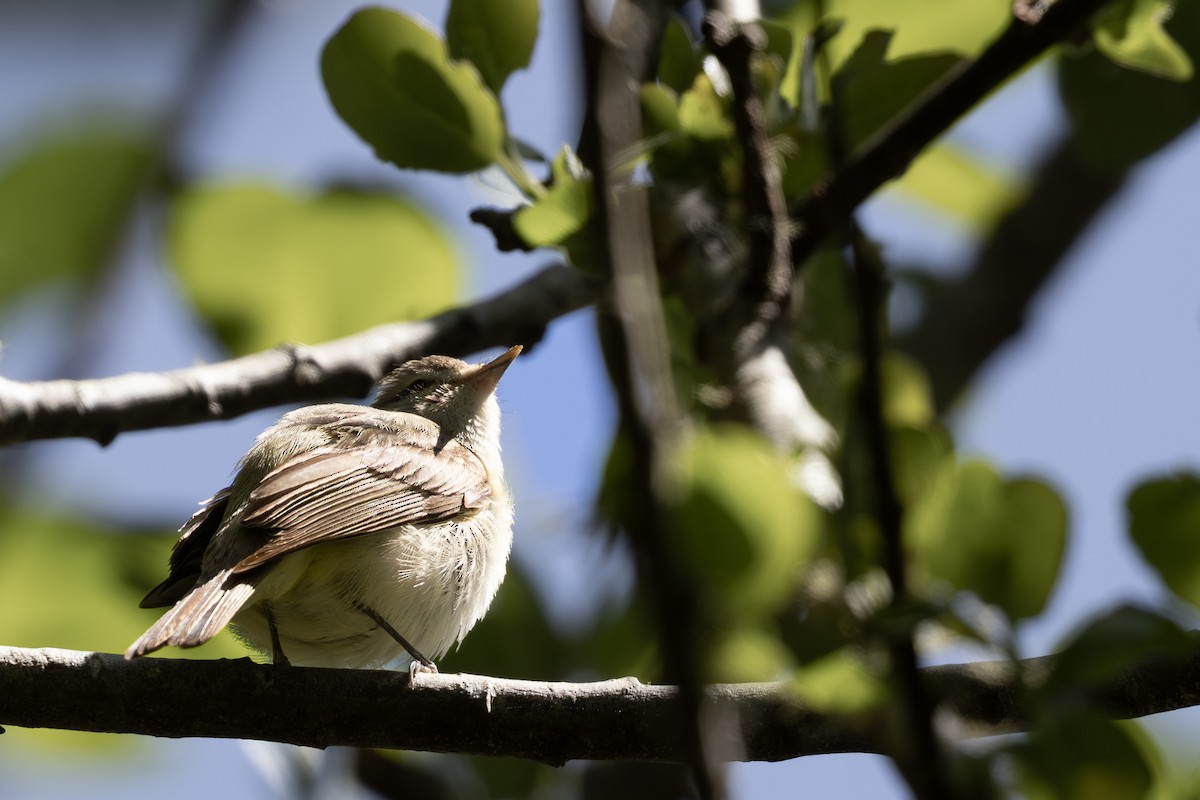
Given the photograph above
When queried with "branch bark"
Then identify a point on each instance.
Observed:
(101, 409)
(888, 153)
(545, 721)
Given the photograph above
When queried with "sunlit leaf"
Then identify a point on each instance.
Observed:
(497, 36)
(392, 81)
(921, 26)
(738, 519)
(748, 654)
(1002, 540)
(265, 267)
(702, 113)
(873, 89)
(1131, 33)
(963, 188)
(840, 682)
(1164, 522)
(1120, 116)
(63, 204)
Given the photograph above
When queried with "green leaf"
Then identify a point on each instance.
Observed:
(872, 89)
(679, 61)
(748, 654)
(1083, 757)
(1002, 540)
(497, 36)
(917, 456)
(1109, 644)
(1120, 116)
(560, 213)
(265, 267)
(391, 80)
(63, 204)
(1131, 33)
(1164, 522)
(907, 397)
(840, 683)
(738, 520)
(702, 113)
(963, 188)
(921, 26)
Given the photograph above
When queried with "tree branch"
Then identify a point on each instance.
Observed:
(101, 409)
(888, 153)
(545, 721)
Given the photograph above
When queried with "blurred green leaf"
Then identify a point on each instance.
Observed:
(660, 109)
(679, 60)
(907, 397)
(1002, 540)
(873, 89)
(497, 36)
(1083, 757)
(63, 203)
(738, 520)
(1108, 644)
(702, 113)
(1164, 522)
(392, 81)
(840, 682)
(265, 267)
(1120, 116)
(966, 190)
(917, 456)
(746, 653)
(1131, 33)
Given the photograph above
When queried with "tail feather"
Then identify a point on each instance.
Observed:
(198, 616)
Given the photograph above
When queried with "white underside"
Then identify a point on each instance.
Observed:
(430, 583)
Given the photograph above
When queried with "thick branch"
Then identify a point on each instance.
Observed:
(102, 408)
(889, 152)
(549, 722)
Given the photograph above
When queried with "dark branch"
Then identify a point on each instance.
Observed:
(549, 722)
(633, 337)
(103, 408)
(889, 152)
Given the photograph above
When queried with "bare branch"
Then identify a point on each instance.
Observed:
(545, 721)
(888, 153)
(103, 408)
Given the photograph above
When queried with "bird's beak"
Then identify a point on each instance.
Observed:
(486, 376)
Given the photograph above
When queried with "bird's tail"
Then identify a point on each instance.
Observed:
(198, 616)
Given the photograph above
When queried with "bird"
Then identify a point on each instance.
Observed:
(353, 536)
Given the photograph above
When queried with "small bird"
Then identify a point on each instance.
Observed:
(353, 536)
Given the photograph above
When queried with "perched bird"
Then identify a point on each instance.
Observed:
(353, 535)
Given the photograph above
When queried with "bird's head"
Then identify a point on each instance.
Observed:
(460, 397)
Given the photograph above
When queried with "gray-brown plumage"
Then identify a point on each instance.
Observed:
(352, 534)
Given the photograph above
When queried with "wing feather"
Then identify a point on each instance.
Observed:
(362, 485)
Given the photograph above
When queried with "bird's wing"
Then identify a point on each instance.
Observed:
(188, 553)
(364, 484)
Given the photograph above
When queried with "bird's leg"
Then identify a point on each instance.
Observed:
(425, 663)
(277, 656)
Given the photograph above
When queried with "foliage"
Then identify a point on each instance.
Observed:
(790, 590)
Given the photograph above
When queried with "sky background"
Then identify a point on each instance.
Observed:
(1096, 394)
